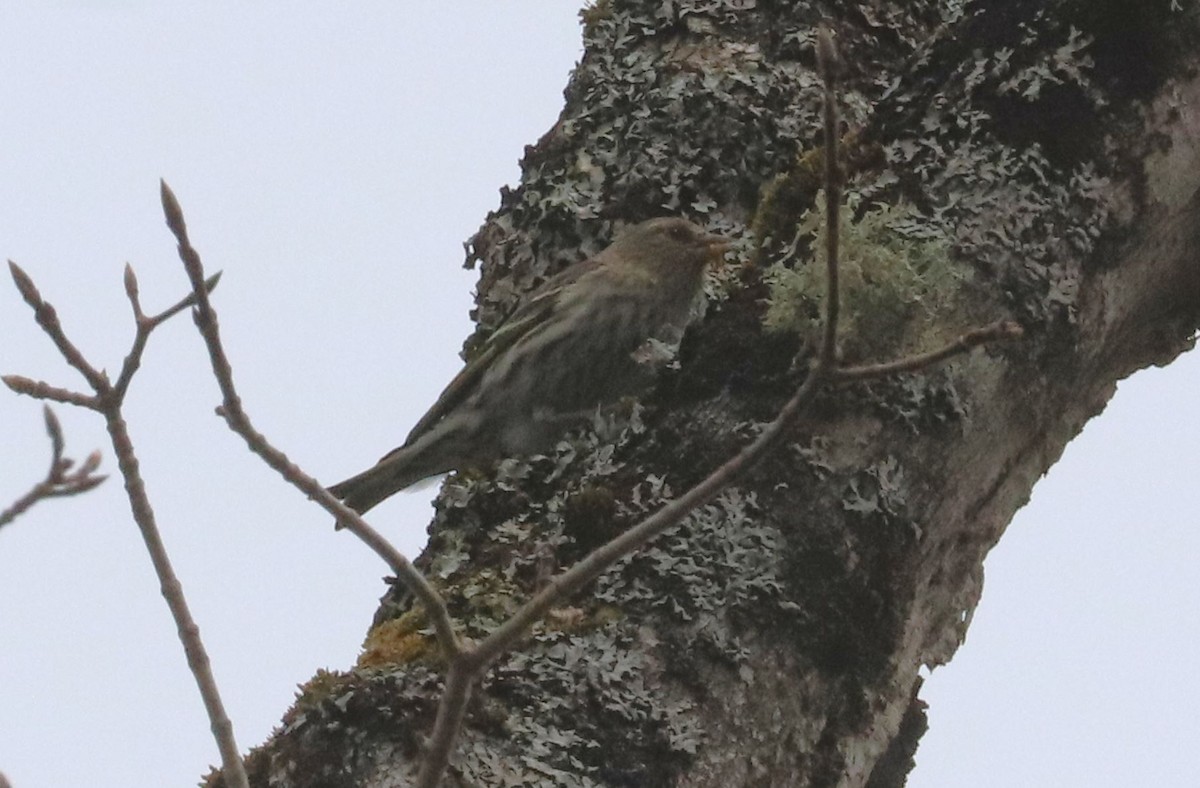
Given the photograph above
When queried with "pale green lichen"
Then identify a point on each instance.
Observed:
(896, 278)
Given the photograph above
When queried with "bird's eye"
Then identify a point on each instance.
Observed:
(680, 233)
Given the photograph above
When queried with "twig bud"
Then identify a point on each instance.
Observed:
(131, 284)
(18, 383)
(90, 463)
(54, 430)
(25, 285)
(172, 211)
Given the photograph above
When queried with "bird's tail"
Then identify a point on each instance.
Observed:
(398, 470)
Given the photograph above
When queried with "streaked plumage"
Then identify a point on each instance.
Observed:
(570, 347)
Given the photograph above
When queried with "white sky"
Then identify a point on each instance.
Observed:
(331, 159)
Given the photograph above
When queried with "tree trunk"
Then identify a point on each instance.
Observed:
(1038, 162)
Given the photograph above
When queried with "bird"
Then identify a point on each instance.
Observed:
(579, 342)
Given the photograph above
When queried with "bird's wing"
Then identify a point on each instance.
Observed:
(532, 313)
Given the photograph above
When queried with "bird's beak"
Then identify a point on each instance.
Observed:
(717, 245)
(717, 242)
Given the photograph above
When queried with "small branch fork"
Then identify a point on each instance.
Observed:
(467, 662)
(60, 480)
(107, 398)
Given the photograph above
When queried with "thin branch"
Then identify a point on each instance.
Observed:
(146, 325)
(235, 416)
(60, 481)
(827, 65)
(107, 399)
(460, 678)
(172, 591)
(47, 318)
(998, 331)
(191, 300)
(41, 390)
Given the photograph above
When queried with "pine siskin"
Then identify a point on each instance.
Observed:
(578, 342)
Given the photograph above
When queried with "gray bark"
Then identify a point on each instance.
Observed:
(1047, 148)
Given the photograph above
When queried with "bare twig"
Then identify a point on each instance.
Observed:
(1000, 330)
(235, 416)
(60, 480)
(47, 318)
(108, 399)
(41, 390)
(452, 709)
(172, 591)
(827, 64)
(145, 325)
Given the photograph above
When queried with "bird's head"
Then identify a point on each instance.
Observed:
(668, 247)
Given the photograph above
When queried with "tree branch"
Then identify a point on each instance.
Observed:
(145, 325)
(1000, 330)
(460, 679)
(108, 399)
(827, 64)
(47, 318)
(172, 591)
(41, 390)
(60, 481)
(235, 416)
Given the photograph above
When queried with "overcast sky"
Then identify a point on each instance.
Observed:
(331, 159)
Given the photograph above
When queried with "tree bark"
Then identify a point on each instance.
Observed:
(1047, 149)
